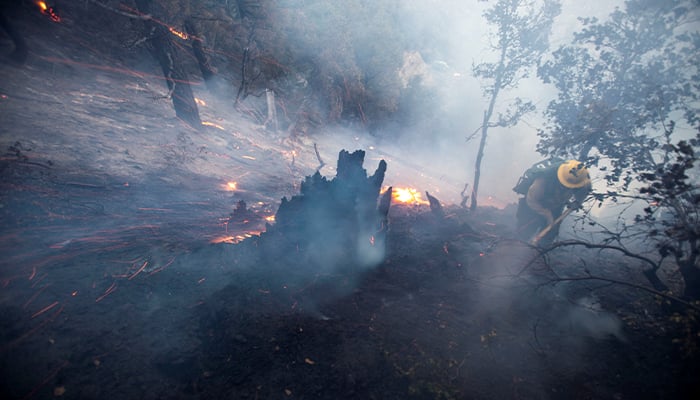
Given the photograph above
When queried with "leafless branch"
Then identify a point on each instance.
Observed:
(654, 265)
(473, 134)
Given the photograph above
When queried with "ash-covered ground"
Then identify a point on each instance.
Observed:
(119, 278)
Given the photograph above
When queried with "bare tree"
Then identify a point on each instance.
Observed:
(521, 37)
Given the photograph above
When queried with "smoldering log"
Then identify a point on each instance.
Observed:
(176, 76)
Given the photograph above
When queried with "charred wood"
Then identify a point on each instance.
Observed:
(208, 72)
(176, 77)
(337, 220)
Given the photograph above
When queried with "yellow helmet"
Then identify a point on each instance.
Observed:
(573, 174)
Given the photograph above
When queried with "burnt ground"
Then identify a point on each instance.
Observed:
(115, 282)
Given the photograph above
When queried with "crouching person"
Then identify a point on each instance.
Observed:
(549, 188)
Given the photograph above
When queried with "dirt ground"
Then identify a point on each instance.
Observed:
(119, 279)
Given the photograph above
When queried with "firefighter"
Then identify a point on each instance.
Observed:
(565, 184)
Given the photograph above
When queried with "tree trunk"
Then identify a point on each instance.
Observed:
(485, 126)
(482, 143)
(205, 67)
(176, 77)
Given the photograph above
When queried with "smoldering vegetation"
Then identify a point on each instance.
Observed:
(141, 257)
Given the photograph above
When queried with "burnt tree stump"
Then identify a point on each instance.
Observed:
(334, 222)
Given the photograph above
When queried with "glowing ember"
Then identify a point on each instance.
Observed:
(181, 35)
(408, 196)
(270, 218)
(248, 157)
(200, 102)
(50, 11)
(217, 126)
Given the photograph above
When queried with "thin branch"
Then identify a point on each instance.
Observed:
(654, 265)
(473, 134)
(628, 284)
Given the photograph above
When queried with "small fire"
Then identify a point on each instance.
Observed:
(233, 239)
(200, 102)
(47, 10)
(217, 126)
(270, 218)
(230, 186)
(408, 196)
(181, 35)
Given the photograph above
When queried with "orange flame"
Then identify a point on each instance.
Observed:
(50, 11)
(181, 35)
(230, 186)
(408, 196)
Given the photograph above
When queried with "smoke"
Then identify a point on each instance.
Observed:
(590, 319)
(441, 104)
